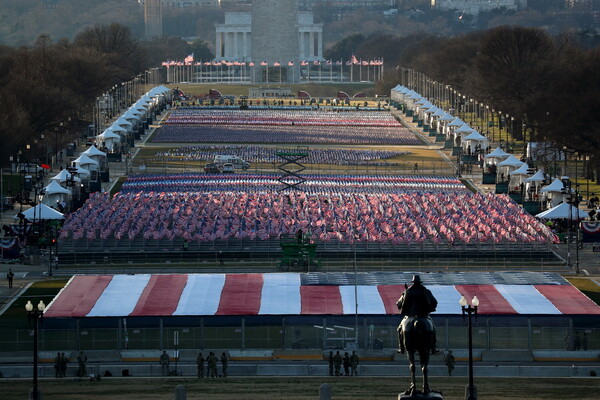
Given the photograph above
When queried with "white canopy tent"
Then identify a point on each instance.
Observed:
(562, 211)
(533, 183)
(519, 175)
(41, 212)
(84, 161)
(109, 138)
(64, 176)
(474, 139)
(554, 192)
(96, 155)
(54, 193)
(496, 156)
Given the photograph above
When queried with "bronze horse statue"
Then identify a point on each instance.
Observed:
(416, 332)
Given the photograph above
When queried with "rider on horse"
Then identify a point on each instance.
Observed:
(416, 301)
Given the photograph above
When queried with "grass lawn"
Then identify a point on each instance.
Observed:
(587, 287)
(300, 388)
(15, 317)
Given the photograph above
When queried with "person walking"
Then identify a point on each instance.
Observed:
(9, 277)
(450, 361)
(354, 363)
(200, 363)
(81, 360)
(164, 361)
(224, 362)
(346, 362)
(337, 363)
(331, 363)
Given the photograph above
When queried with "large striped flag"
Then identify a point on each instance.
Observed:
(291, 294)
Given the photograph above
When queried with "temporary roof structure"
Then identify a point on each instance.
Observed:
(41, 212)
(498, 153)
(511, 161)
(522, 170)
(561, 211)
(86, 162)
(54, 193)
(556, 186)
(93, 152)
(64, 176)
(537, 177)
(456, 122)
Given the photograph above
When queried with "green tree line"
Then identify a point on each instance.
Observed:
(48, 90)
(549, 84)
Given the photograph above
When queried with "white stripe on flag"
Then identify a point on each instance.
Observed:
(201, 295)
(447, 297)
(526, 299)
(120, 296)
(280, 294)
(369, 300)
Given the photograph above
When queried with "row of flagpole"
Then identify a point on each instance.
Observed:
(238, 71)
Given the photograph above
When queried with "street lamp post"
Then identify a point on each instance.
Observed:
(470, 310)
(35, 314)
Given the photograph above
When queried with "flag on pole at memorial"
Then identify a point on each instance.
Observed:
(365, 63)
(264, 63)
(251, 64)
(317, 62)
(277, 64)
(328, 62)
(339, 62)
(207, 63)
(165, 64)
(304, 63)
(189, 59)
(354, 59)
(291, 63)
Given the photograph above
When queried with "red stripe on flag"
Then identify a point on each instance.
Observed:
(568, 299)
(241, 294)
(390, 295)
(321, 300)
(490, 300)
(161, 295)
(79, 297)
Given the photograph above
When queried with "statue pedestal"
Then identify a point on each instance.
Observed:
(419, 396)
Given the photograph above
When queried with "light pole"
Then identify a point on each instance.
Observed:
(470, 310)
(35, 314)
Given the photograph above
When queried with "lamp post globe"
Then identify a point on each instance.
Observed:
(35, 314)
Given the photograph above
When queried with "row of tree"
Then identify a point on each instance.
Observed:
(48, 91)
(549, 84)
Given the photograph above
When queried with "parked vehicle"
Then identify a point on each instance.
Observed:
(228, 168)
(212, 168)
(237, 162)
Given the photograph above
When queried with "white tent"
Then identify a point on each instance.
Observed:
(109, 138)
(84, 161)
(439, 113)
(537, 177)
(121, 121)
(554, 191)
(41, 212)
(82, 172)
(556, 186)
(456, 122)
(511, 161)
(522, 170)
(561, 211)
(464, 128)
(447, 117)
(64, 176)
(498, 153)
(54, 193)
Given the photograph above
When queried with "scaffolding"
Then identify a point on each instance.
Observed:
(291, 167)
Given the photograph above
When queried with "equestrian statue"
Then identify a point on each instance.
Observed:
(416, 332)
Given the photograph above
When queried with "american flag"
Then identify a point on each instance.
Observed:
(264, 63)
(277, 64)
(189, 59)
(251, 64)
(354, 59)
(291, 63)
(317, 62)
(304, 63)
